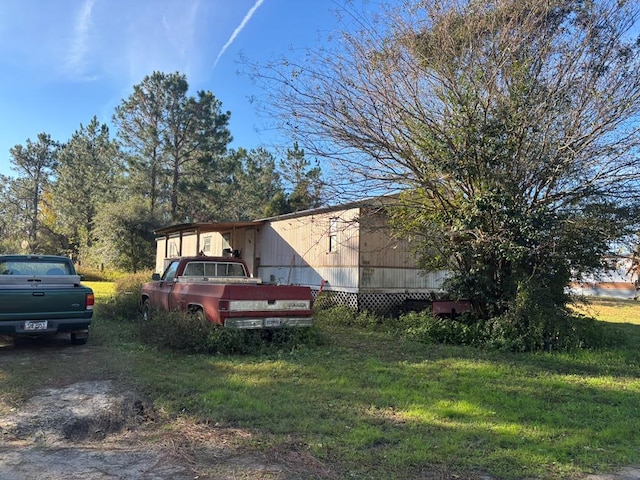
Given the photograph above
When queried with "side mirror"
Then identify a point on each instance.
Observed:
(155, 277)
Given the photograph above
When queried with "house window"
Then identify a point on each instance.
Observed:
(333, 234)
(173, 249)
(206, 244)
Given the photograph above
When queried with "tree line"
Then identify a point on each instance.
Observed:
(98, 197)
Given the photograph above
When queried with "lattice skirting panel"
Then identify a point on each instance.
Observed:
(380, 303)
(334, 299)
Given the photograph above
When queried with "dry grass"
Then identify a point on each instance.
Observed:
(612, 310)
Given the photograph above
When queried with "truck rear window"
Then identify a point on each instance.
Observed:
(33, 267)
(214, 269)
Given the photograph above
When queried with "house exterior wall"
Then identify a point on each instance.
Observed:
(316, 250)
(348, 252)
(160, 258)
(210, 243)
(172, 246)
(387, 262)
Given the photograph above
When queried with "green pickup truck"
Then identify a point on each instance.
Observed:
(42, 295)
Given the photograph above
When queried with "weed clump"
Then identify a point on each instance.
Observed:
(191, 333)
(125, 303)
(509, 332)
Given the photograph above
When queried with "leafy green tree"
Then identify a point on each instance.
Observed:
(35, 163)
(208, 190)
(196, 138)
(174, 141)
(304, 182)
(124, 230)
(254, 183)
(88, 176)
(279, 205)
(140, 123)
(11, 233)
(510, 126)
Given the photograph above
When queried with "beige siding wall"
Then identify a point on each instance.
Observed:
(160, 243)
(387, 263)
(379, 248)
(310, 249)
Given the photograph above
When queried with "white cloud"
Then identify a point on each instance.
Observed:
(237, 31)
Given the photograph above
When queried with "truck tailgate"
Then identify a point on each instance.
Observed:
(43, 303)
(267, 306)
(267, 298)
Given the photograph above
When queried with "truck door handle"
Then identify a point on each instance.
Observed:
(38, 294)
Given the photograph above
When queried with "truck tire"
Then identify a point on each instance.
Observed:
(79, 338)
(199, 315)
(146, 309)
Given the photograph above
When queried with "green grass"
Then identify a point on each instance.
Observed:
(403, 407)
(101, 290)
(370, 406)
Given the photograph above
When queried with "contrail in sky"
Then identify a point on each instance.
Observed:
(80, 33)
(237, 31)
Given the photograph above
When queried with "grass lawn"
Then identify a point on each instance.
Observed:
(101, 290)
(370, 406)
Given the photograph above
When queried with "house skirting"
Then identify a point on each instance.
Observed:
(381, 303)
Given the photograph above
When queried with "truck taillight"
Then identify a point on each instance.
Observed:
(223, 305)
(89, 301)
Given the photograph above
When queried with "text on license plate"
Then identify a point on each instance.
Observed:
(35, 325)
(271, 322)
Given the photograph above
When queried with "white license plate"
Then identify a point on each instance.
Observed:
(271, 322)
(35, 325)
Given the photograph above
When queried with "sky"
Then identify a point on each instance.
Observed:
(64, 61)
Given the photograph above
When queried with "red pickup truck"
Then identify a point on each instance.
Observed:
(220, 290)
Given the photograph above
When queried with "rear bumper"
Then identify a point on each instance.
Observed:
(270, 322)
(58, 325)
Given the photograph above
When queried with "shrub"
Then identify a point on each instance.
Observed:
(537, 322)
(512, 331)
(190, 333)
(125, 304)
(341, 315)
(558, 331)
(334, 314)
(427, 328)
(176, 331)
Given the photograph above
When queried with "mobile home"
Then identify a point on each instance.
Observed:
(346, 250)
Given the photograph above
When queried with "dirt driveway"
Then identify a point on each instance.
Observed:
(91, 425)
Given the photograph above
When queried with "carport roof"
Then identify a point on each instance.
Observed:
(205, 227)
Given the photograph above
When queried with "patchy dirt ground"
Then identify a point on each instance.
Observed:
(98, 429)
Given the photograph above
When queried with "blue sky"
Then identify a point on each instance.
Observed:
(64, 61)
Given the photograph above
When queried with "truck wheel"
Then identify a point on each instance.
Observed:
(199, 315)
(79, 338)
(146, 309)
